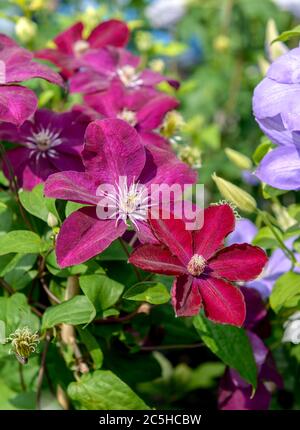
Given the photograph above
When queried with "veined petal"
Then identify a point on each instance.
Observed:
(238, 262)
(83, 236)
(186, 298)
(157, 259)
(219, 221)
(65, 40)
(223, 302)
(152, 114)
(16, 104)
(112, 32)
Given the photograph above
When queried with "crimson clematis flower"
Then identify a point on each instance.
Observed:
(18, 103)
(71, 44)
(49, 143)
(140, 108)
(101, 67)
(204, 269)
(113, 155)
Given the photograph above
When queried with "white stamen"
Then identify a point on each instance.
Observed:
(128, 116)
(80, 47)
(129, 77)
(43, 142)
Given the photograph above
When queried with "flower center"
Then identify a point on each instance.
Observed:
(44, 139)
(80, 47)
(126, 202)
(196, 265)
(129, 77)
(128, 116)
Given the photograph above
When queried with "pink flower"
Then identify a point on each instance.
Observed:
(113, 155)
(101, 67)
(142, 109)
(71, 44)
(50, 143)
(18, 103)
(204, 269)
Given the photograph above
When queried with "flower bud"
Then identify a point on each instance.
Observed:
(190, 155)
(276, 49)
(23, 343)
(25, 29)
(238, 159)
(143, 41)
(234, 194)
(157, 65)
(292, 329)
(172, 124)
(52, 221)
(221, 43)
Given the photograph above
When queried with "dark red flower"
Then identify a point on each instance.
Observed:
(204, 269)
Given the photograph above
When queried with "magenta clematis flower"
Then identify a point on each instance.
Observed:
(204, 269)
(140, 109)
(18, 103)
(50, 143)
(71, 44)
(101, 67)
(113, 156)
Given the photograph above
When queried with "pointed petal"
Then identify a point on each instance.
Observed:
(16, 104)
(112, 32)
(26, 71)
(74, 186)
(113, 148)
(65, 40)
(219, 221)
(172, 233)
(280, 168)
(186, 298)
(83, 236)
(88, 81)
(239, 262)
(223, 302)
(156, 259)
(152, 114)
(145, 234)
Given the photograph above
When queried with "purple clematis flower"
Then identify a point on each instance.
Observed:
(113, 156)
(140, 108)
(277, 265)
(276, 106)
(234, 392)
(71, 44)
(49, 143)
(18, 103)
(101, 67)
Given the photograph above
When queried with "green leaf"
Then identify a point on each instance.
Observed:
(103, 390)
(114, 252)
(231, 344)
(102, 291)
(6, 218)
(37, 204)
(17, 271)
(286, 292)
(265, 238)
(16, 313)
(286, 35)
(72, 207)
(92, 346)
(2, 332)
(20, 241)
(75, 311)
(262, 150)
(154, 293)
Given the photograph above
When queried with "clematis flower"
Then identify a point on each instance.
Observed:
(49, 143)
(276, 108)
(71, 44)
(140, 108)
(101, 67)
(204, 269)
(114, 157)
(18, 103)
(277, 265)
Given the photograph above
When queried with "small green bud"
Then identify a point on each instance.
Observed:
(275, 49)
(23, 343)
(52, 221)
(190, 155)
(236, 195)
(173, 124)
(25, 29)
(238, 159)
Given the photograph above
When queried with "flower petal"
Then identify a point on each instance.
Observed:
(186, 298)
(113, 148)
(238, 262)
(16, 104)
(65, 40)
(152, 114)
(223, 302)
(157, 259)
(112, 32)
(26, 71)
(219, 221)
(280, 168)
(74, 186)
(83, 235)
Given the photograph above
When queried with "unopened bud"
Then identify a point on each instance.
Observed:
(221, 43)
(238, 159)
(25, 29)
(157, 65)
(263, 65)
(190, 155)
(236, 195)
(143, 41)
(276, 49)
(52, 221)
(172, 124)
